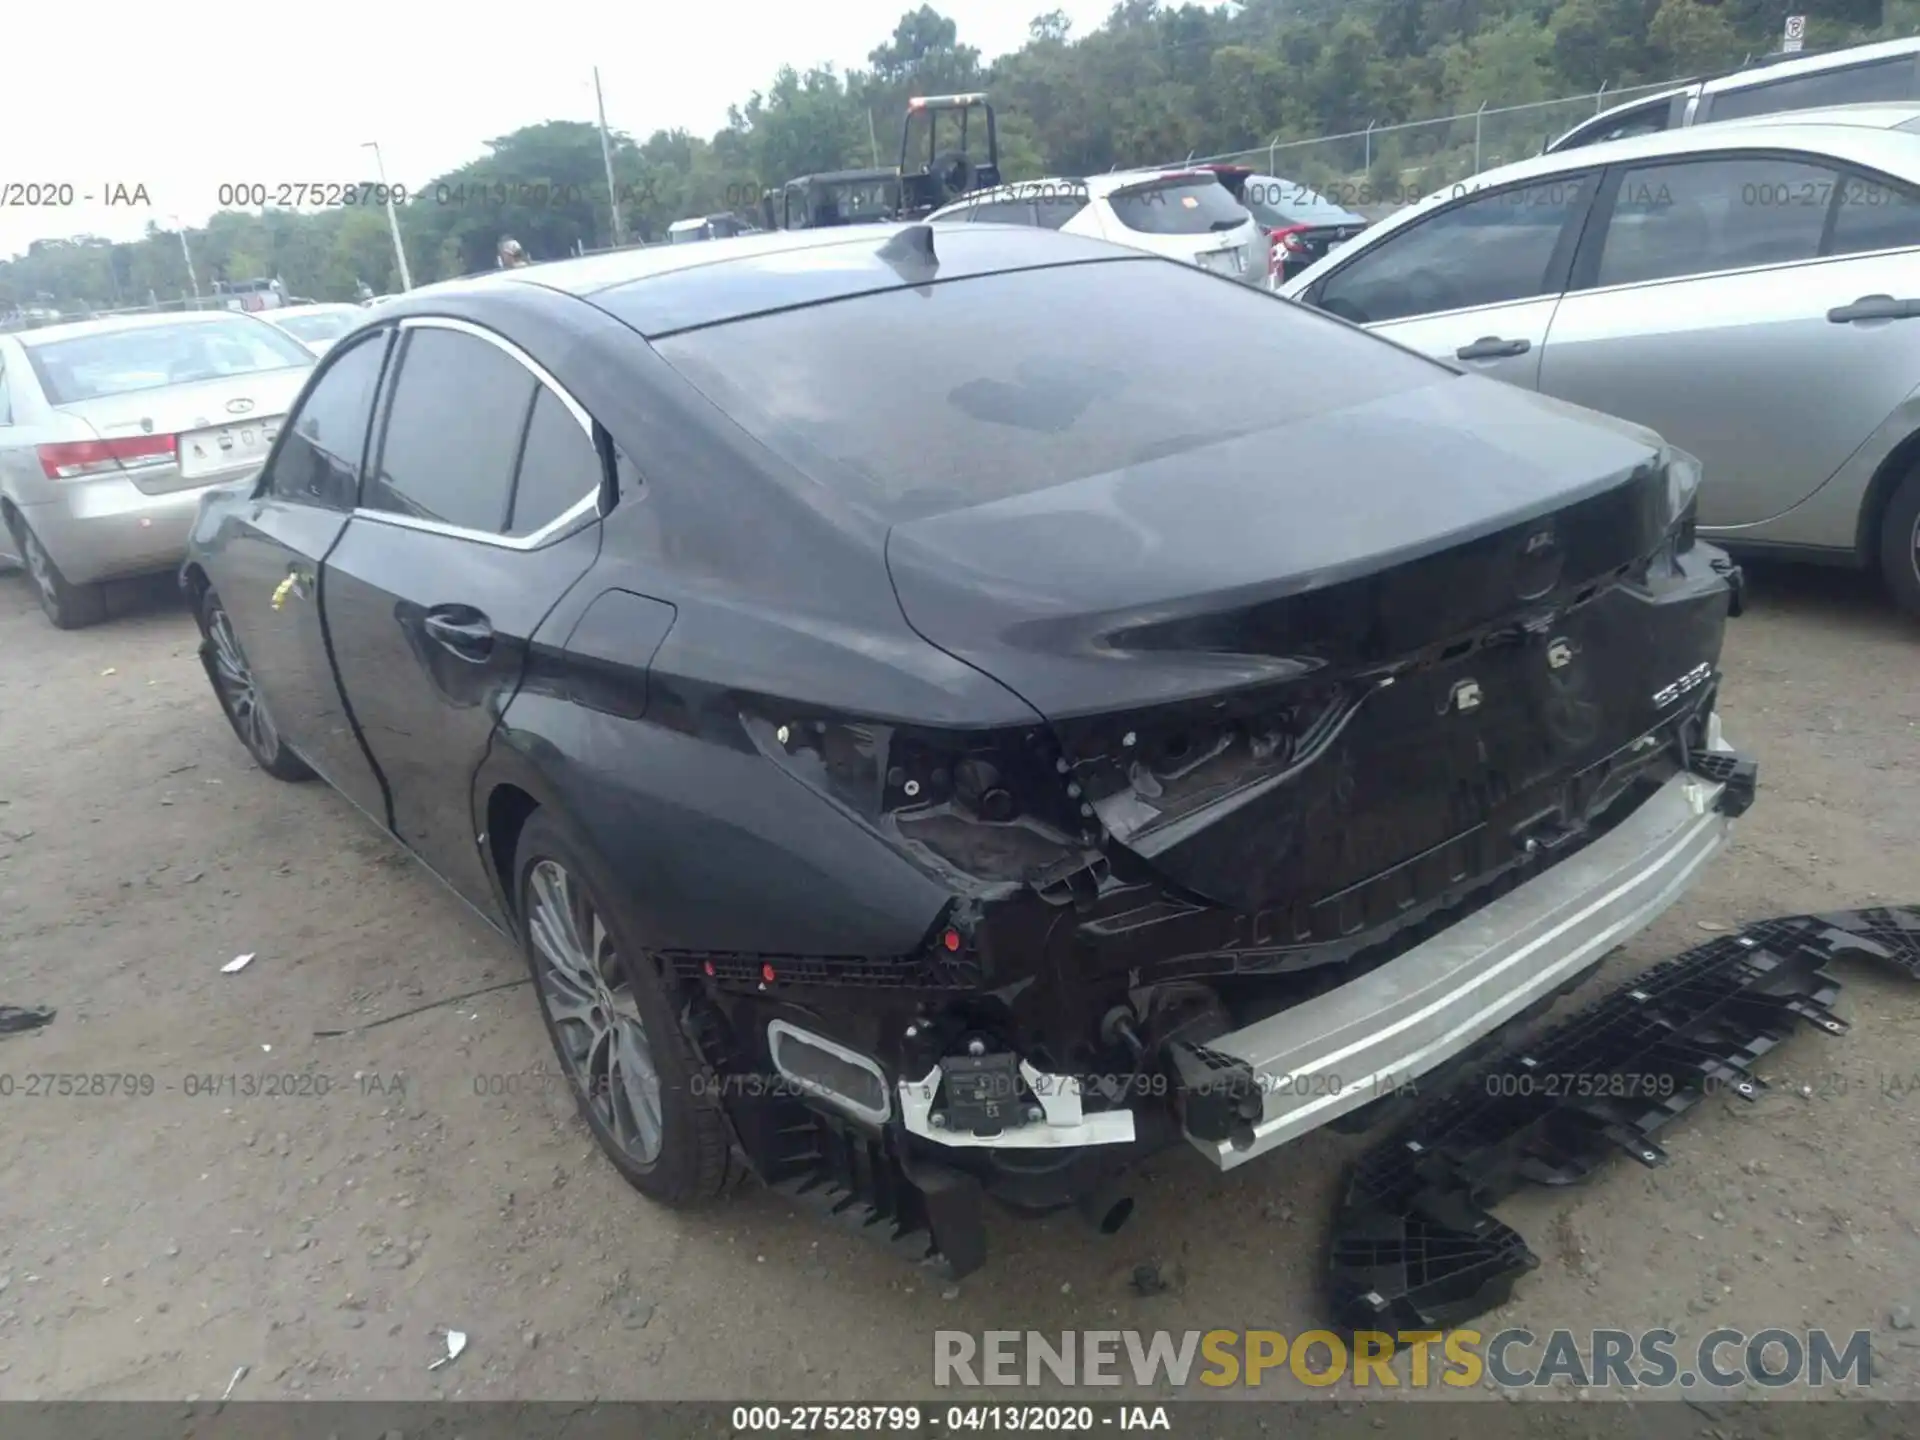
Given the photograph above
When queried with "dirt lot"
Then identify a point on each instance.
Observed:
(150, 1244)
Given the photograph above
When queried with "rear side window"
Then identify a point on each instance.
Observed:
(1056, 208)
(1847, 85)
(1874, 214)
(1491, 249)
(1191, 206)
(559, 467)
(147, 357)
(913, 402)
(1698, 216)
(1002, 212)
(453, 432)
(318, 462)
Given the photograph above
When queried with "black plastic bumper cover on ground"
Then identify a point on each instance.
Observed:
(1413, 1246)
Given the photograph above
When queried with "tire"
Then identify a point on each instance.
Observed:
(620, 1041)
(239, 697)
(69, 606)
(1900, 545)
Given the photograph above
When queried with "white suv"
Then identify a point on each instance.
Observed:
(1860, 75)
(1185, 215)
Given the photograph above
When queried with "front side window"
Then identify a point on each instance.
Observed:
(1648, 119)
(1695, 217)
(453, 432)
(147, 357)
(1490, 250)
(318, 462)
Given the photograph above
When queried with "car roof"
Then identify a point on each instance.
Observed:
(108, 325)
(1868, 135)
(318, 307)
(658, 289)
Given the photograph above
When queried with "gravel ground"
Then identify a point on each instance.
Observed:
(325, 1237)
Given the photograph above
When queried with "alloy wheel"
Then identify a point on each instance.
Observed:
(584, 984)
(237, 689)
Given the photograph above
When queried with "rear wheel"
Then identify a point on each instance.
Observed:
(635, 1074)
(69, 606)
(1900, 545)
(240, 697)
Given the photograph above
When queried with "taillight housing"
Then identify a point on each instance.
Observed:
(79, 459)
(995, 805)
(1291, 238)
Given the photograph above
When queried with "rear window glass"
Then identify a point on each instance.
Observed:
(916, 401)
(1178, 207)
(119, 362)
(1276, 203)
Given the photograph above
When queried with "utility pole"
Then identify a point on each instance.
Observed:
(873, 140)
(187, 255)
(606, 158)
(393, 216)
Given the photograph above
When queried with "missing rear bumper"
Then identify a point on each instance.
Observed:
(1370, 1038)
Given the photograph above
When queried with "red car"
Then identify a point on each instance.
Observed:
(1302, 224)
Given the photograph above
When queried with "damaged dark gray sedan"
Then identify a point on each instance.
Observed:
(947, 715)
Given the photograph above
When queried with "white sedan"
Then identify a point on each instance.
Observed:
(315, 326)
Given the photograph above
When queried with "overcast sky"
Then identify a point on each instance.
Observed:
(182, 98)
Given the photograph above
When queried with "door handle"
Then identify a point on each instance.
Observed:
(1492, 347)
(461, 629)
(1874, 307)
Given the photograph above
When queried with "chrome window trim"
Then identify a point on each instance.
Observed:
(588, 504)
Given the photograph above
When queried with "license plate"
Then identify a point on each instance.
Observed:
(226, 447)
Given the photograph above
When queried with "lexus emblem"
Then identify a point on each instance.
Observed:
(1538, 541)
(239, 407)
(1559, 654)
(1465, 696)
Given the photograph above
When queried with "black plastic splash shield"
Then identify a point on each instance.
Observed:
(1413, 1246)
(1889, 934)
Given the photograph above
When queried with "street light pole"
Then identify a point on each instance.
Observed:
(393, 216)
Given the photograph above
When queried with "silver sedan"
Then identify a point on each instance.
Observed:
(110, 430)
(1750, 290)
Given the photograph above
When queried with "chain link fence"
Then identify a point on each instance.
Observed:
(1377, 170)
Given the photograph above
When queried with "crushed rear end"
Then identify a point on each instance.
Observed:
(1324, 783)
